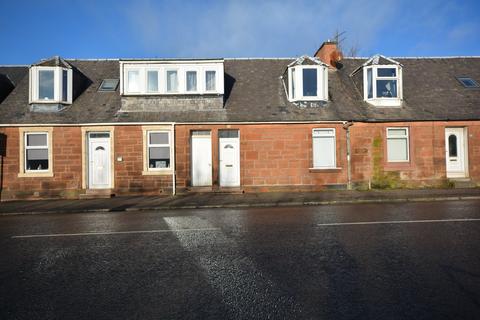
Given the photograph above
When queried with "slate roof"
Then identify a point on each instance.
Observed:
(254, 91)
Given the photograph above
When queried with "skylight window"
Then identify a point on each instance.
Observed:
(108, 85)
(468, 82)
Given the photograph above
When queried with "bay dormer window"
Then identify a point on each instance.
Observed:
(196, 77)
(307, 82)
(382, 82)
(50, 85)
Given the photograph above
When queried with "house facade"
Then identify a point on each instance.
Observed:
(95, 128)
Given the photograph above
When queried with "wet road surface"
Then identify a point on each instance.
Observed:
(368, 261)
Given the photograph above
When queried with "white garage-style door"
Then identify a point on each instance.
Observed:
(201, 158)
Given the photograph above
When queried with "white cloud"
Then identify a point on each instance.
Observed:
(253, 28)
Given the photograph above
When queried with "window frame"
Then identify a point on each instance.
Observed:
(382, 101)
(146, 147)
(197, 72)
(159, 85)
(23, 133)
(216, 80)
(58, 85)
(295, 76)
(406, 137)
(177, 91)
(334, 136)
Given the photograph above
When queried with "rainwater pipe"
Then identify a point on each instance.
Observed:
(346, 126)
(173, 156)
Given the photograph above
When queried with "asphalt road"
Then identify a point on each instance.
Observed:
(369, 261)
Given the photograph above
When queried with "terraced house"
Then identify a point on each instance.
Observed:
(86, 128)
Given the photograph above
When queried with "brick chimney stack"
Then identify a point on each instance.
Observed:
(329, 53)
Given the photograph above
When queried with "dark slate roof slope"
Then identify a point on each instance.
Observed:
(431, 90)
(9, 77)
(90, 106)
(254, 91)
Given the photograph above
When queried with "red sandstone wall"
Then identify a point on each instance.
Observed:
(271, 156)
(67, 167)
(128, 173)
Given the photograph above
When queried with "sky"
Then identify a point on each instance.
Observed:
(33, 30)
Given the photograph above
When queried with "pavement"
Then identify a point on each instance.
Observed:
(226, 200)
(414, 260)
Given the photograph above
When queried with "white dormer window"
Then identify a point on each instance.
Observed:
(171, 77)
(308, 83)
(50, 85)
(383, 85)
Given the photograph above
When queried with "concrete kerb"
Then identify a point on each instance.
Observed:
(248, 205)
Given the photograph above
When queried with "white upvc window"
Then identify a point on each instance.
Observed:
(383, 85)
(171, 77)
(210, 80)
(324, 150)
(158, 150)
(172, 80)
(308, 83)
(398, 144)
(133, 80)
(50, 85)
(36, 152)
(153, 83)
(191, 81)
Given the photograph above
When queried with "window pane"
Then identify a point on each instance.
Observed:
(191, 80)
(387, 72)
(324, 152)
(37, 159)
(310, 82)
(369, 84)
(210, 80)
(386, 88)
(159, 157)
(133, 81)
(293, 83)
(45, 84)
(397, 149)
(228, 133)
(172, 81)
(37, 140)
(452, 145)
(397, 132)
(323, 132)
(64, 85)
(159, 138)
(152, 81)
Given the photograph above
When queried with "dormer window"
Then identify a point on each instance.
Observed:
(50, 85)
(382, 82)
(172, 77)
(307, 82)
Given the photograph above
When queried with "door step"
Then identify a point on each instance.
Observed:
(229, 190)
(97, 194)
(463, 183)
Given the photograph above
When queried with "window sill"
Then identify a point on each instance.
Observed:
(35, 174)
(165, 172)
(323, 170)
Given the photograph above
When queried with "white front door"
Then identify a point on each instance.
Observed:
(99, 175)
(229, 158)
(201, 158)
(455, 152)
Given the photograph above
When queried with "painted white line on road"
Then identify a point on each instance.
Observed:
(109, 233)
(394, 222)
